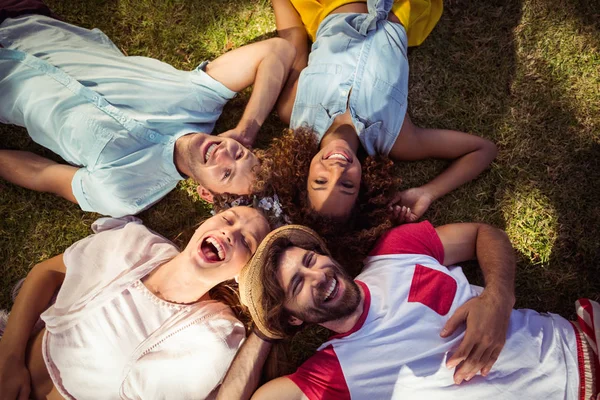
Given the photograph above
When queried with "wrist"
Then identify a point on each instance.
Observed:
(248, 128)
(430, 192)
(500, 298)
(11, 352)
(264, 337)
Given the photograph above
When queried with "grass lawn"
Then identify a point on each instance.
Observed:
(523, 73)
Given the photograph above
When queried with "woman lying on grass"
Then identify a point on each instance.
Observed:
(134, 317)
(352, 92)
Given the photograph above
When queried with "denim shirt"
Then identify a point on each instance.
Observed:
(116, 117)
(357, 62)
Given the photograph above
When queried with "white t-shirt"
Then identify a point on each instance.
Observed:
(108, 337)
(395, 350)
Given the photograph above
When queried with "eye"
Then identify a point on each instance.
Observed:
(239, 155)
(246, 243)
(297, 286)
(227, 220)
(227, 174)
(348, 185)
(320, 181)
(311, 259)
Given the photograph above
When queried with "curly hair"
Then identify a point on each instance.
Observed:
(285, 165)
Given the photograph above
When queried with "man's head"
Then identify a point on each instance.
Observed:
(218, 164)
(292, 279)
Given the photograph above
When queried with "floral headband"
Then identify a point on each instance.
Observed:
(270, 205)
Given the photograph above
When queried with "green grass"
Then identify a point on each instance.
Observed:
(525, 74)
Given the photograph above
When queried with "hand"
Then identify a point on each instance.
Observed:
(416, 200)
(239, 135)
(487, 320)
(400, 215)
(15, 381)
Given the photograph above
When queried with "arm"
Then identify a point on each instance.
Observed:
(243, 375)
(265, 64)
(39, 287)
(280, 388)
(486, 316)
(37, 173)
(471, 154)
(290, 27)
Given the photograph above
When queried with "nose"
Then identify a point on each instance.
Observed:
(225, 153)
(317, 276)
(227, 236)
(336, 171)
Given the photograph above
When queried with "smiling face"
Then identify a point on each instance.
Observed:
(223, 244)
(316, 288)
(334, 179)
(220, 164)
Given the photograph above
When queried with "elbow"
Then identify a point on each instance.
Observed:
(285, 51)
(490, 149)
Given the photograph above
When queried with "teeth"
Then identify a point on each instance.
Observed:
(338, 156)
(332, 286)
(210, 150)
(214, 242)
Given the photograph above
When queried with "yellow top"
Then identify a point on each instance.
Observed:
(419, 17)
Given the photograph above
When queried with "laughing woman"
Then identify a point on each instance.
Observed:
(351, 90)
(134, 317)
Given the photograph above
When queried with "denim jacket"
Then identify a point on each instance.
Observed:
(358, 61)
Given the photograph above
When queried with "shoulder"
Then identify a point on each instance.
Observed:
(417, 238)
(321, 376)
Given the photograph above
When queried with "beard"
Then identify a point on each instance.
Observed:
(343, 307)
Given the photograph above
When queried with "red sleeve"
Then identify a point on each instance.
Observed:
(419, 238)
(321, 377)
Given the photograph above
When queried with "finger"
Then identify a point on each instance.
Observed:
(490, 362)
(395, 199)
(471, 365)
(459, 316)
(461, 353)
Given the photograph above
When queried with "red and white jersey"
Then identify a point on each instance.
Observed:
(395, 350)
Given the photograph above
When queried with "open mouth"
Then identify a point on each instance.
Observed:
(338, 155)
(331, 291)
(209, 151)
(212, 250)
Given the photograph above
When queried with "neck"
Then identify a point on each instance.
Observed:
(341, 131)
(181, 154)
(174, 282)
(343, 325)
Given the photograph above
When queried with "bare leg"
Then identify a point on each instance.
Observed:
(37, 173)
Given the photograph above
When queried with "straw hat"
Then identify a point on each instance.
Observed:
(252, 276)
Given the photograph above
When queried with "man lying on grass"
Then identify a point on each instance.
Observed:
(131, 127)
(398, 327)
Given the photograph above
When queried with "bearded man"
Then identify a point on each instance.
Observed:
(398, 327)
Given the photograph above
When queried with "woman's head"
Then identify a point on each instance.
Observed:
(223, 244)
(334, 179)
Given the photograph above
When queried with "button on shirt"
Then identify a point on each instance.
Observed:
(117, 117)
(357, 62)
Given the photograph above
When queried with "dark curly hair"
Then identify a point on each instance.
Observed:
(284, 170)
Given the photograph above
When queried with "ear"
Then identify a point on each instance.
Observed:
(295, 321)
(205, 194)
